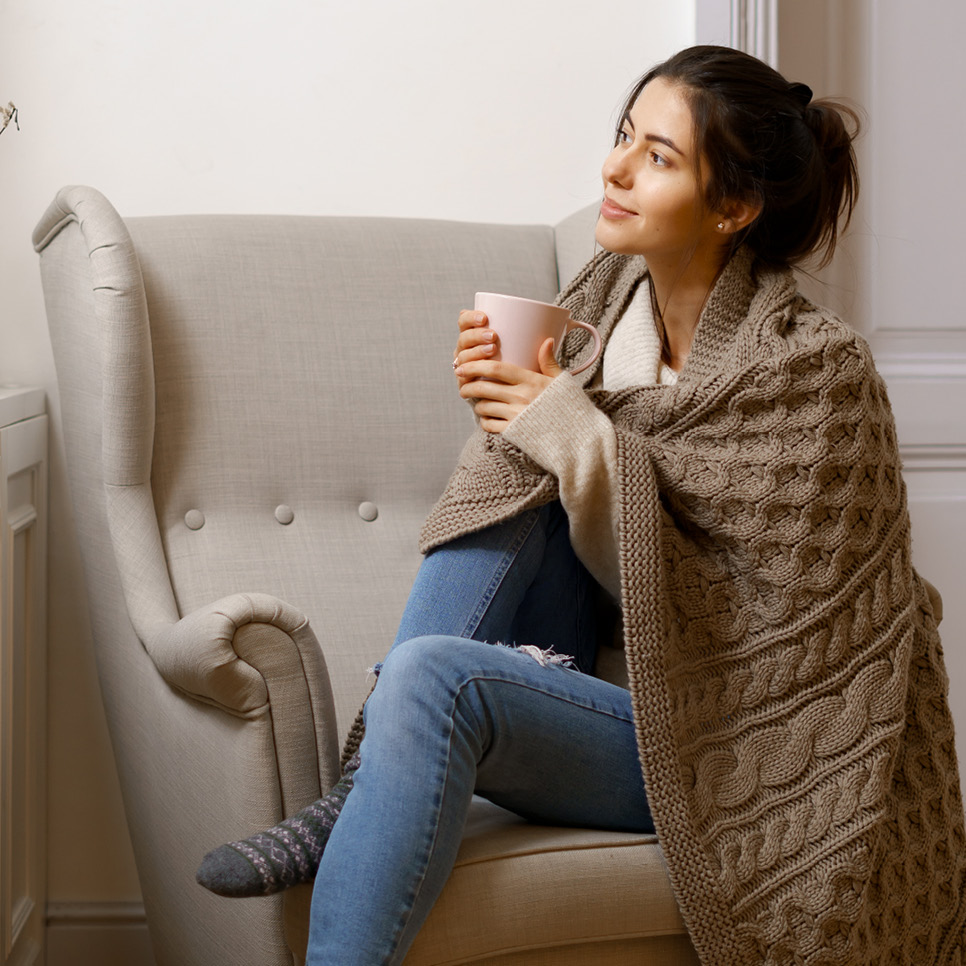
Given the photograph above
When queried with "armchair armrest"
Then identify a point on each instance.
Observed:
(250, 652)
(218, 653)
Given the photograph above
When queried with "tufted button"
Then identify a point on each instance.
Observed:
(194, 519)
(284, 514)
(368, 511)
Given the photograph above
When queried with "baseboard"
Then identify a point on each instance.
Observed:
(97, 934)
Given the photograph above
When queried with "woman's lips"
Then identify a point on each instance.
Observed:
(610, 209)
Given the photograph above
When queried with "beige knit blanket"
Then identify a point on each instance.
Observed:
(785, 668)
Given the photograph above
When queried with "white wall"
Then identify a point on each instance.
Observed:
(496, 111)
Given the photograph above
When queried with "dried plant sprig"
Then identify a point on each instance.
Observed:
(10, 113)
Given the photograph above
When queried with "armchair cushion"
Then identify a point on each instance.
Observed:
(558, 894)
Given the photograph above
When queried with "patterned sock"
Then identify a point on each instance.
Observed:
(282, 856)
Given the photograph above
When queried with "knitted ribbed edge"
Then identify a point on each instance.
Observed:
(357, 731)
(353, 739)
(645, 631)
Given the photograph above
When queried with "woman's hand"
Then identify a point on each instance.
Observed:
(501, 390)
(476, 341)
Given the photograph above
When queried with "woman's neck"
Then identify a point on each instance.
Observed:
(680, 295)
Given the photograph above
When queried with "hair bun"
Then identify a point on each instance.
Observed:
(802, 93)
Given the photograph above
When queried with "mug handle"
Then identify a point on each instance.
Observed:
(598, 344)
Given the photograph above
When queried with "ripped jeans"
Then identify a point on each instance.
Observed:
(453, 716)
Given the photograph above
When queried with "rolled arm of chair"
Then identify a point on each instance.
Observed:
(252, 655)
(234, 652)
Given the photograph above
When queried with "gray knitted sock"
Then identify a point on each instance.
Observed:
(282, 856)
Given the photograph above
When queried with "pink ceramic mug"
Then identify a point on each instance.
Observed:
(523, 325)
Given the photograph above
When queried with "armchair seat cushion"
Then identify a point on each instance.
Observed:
(580, 887)
(562, 897)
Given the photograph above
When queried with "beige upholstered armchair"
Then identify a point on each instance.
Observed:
(258, 413)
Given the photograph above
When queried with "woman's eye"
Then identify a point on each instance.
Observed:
(623, 137)
(659, 159)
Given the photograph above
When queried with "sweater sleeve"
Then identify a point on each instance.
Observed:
(566, 434)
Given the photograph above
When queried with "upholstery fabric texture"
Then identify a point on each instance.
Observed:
(783, 655)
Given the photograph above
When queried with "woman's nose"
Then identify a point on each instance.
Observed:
(615, 169)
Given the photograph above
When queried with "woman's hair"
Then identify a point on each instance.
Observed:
(766, 142)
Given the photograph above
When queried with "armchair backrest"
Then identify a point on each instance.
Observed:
(260, 405)
(273, 409)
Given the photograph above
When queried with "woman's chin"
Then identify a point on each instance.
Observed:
(604, 236)
(607, 239)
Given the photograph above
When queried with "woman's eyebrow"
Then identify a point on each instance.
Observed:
(661, 139)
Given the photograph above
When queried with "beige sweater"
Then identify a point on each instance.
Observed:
(571, 438)
(784, 663)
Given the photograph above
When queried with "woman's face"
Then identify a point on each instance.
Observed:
(653, 201)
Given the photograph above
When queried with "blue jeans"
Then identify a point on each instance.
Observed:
(451, 716)
(517, 583)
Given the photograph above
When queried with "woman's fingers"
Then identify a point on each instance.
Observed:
(500, 381)
(480, 389)
(494, 371)
(493, 415)
(497, 410)
(499, 391)
(476, 340)
(470, 319)
(476, 344)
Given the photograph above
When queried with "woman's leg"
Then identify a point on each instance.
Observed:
(518, 582)
(450, 717)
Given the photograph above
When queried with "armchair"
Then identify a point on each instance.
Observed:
(258, 412)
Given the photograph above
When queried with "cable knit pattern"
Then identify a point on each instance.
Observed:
(783, 657)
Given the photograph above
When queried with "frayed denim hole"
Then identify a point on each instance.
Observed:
(374, 671)
(544, 656)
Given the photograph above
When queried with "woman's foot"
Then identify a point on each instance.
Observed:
(280, 857)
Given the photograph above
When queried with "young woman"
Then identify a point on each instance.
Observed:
(727, 474)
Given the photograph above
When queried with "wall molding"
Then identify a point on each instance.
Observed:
(925, 366)
(95, 933)
(748, 25)
(754, 28)
(928, 459)
(928, 396)
(96, 913)
(911, 224)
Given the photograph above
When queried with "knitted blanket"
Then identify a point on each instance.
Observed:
(785, 667)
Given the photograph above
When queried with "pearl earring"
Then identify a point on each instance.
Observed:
(720, 226)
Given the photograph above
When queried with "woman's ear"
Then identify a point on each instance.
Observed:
(736, 215)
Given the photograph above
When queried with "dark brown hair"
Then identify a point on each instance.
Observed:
(766, 142)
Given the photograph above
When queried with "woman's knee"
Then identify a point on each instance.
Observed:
(418, 654)
(423, 665)
(419, 687)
